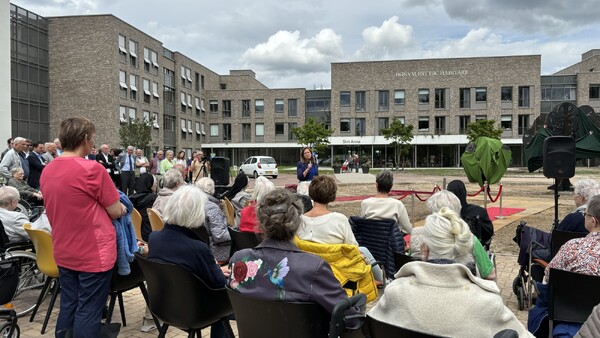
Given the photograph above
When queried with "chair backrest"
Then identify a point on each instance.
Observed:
(561, 237)
(242, 240)
(121, 283)
(9, 278)
(136, 220)
(180, 298)
(572, 295)
(381, 237)
(258, 318)
(3, 238)
(44, 250)
(400, 259)
(156, 221)
(228, 210)
(381, 329)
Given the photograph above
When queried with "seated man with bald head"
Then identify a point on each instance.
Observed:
(12, 220)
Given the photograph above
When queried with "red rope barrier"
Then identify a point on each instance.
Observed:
(403, 196)
(493, 200)
(477, 193)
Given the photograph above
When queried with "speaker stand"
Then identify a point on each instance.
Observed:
(556, 196)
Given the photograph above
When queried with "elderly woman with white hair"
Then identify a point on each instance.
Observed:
(27, 193)
(465, 306)
(177, 243)
(583, 190)
(172, 180)
(248, 220)
(445, 198)
(167, 163)
(215, 223)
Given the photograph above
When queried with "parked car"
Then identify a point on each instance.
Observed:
(260, 166)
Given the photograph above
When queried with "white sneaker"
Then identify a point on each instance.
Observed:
(148, 325)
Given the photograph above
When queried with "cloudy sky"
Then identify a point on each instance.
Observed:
(292, 43)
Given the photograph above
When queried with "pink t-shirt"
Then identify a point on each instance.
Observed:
(76, 194)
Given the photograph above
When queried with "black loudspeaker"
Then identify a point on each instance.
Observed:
(559, 157)
(219, 170)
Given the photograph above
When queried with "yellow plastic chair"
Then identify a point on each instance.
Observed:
(42, 241)
(156, 221)
(228, 210)
(136, 220)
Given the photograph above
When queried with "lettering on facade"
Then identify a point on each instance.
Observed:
(351, 141)
(420, 73)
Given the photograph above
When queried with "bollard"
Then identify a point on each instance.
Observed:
(412, 204)
(485, 190)
(500, 211)
(444, 183)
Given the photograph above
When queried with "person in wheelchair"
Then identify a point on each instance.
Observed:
(30, 195)
(440, 295)
(12, 220)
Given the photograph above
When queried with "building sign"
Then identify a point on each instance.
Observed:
(350, 141)
(420, 73)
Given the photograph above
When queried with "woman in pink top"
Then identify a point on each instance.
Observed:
(81, 201)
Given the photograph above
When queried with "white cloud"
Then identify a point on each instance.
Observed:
(386, 41)
(286, 52)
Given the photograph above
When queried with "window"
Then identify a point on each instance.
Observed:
(213, 106)
(122, 49)
(226, 132)
(398, 97)
(182, 97)
(361, 101)
(146, 90)
(169, 123)
(524, 96)
(465, 97)
(197, 81)
(440, 98)
(523, 124)
(154, 60)
(201, 81)
(169, 77)
(189, 100)
(146, 59)
(183, 125)
(202, 105)
(279, 106)
(401, 119)
(122, 114)
(480, 117)
(506, 94)
(198, 131)
(383, 97)
(202, 128)
(259, 129)
(246, 132)
(382, 123)
(214, 130)
(279, 129)
(423, 96)
(132, 112)
(359, 127)
(198, 108)
(226, 108)
(463, 123)
(155, 120)
(423, 123)
(186, 77)
(133, 86)
(155, 92)
(292, 107)
(440, 125)
(133, 46)
(245, 108)
(344, 99)
(595, 91)
(291, 135)
(146, 116)
(259, 106)
(480, 94)
(123, 84)
(506, 122)
(344, 125)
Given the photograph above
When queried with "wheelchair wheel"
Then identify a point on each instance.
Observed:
(31, 282)
(521, 298)
(5, 331)
(516, 284)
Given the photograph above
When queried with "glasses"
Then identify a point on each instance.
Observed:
(585, 213)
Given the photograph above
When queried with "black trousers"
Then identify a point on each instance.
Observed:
(127, 182)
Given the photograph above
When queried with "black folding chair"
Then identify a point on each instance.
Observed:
(559, 238)
(379, 329)
(242, 240)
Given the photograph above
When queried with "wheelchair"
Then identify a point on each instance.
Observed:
(9, 280)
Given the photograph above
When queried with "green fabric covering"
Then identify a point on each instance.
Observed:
(587, 143)
(486, 159)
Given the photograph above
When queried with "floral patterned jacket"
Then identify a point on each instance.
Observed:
(279, 270)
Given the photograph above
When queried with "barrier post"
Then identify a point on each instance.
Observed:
(412, 204)
(485, 190)
(444, 183)
(500, 211)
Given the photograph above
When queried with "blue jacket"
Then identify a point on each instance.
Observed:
(126, 242)
(381, 237)
(301, 166)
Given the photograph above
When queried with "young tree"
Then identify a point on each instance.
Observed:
(481, 128)
(136, 133)
(313, 134)
(401, 135)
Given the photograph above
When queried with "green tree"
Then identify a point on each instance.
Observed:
(481, 128)
(401, 135)
(313, 134)
(136, 133)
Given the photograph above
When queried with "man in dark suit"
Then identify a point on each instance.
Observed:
(106, 159)
(36, 165)
(127, 164)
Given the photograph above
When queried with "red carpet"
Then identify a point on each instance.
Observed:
(495, 211)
